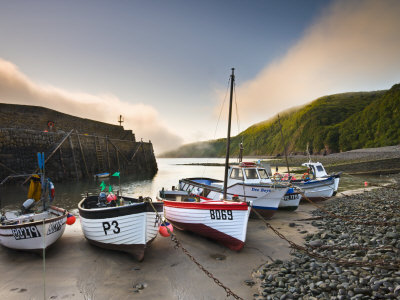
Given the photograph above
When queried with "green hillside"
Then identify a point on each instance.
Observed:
(334, 123)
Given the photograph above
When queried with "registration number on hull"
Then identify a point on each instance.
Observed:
(27, 232)
(221, 214)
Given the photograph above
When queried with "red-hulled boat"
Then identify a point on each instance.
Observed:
(223, 221)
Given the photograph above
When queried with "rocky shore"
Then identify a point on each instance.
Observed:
(369, 243)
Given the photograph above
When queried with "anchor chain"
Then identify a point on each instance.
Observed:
(377, 263)
(178, 244)
(347, 219)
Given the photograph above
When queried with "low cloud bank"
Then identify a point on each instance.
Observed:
(353, 46)
(144, 120)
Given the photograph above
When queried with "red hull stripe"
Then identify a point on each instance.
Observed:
(207, 205)
(201, 229)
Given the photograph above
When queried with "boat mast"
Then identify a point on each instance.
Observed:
(228, 139)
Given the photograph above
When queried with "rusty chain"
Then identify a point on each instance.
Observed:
(184, 250)
(346, 218)
(376, 263)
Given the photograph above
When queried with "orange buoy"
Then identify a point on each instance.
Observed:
(163, 229)
(365, 183)
(70, 219)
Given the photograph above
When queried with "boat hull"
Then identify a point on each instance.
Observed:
(129, 228)
(290, 202)
(264, 198)
(225, 222)
(37, 235)
(317, 190)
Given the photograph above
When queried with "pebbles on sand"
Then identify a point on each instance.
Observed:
(304, 277)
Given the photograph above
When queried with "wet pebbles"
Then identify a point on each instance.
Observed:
(304, 277)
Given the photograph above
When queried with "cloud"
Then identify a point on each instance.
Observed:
(353, 46)
(144, 120)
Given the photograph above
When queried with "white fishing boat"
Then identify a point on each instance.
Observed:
(318, 172)
(223, 221)
(247, 182)
(29, 229)
(32, 231)
(124, 224)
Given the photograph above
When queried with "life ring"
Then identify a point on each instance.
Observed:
(306, 176)
(50, 124)
(277, 176)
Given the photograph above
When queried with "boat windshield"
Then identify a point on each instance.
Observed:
(263, 173)
(237, 174)
(251, 174)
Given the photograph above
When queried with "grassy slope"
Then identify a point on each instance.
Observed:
(334, 123)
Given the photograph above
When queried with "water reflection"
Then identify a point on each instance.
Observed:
(170, 170)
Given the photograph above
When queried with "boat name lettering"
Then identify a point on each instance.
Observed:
(218, 214)
(262, 190)
(27, 232)
(107, 226)
(55, 226)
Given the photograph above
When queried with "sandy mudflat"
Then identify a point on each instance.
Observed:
(74, 268)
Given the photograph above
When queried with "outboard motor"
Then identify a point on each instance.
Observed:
(27, 206)
(102, 201)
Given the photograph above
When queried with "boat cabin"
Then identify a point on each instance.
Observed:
(316, 169)
(247, 172)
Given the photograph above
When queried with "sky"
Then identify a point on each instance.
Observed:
(165, 65)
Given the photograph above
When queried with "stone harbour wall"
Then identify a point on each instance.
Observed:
(44, 119)
(79, 156)
(91, 147)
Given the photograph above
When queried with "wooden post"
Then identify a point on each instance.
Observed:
(83, 154)
(73, 157)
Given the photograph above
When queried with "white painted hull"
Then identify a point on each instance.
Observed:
(220, 223)
(263, 197)
(33, 236)
(290, 202)
(126, 230)
(319, 190)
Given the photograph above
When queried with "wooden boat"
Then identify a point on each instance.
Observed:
(248, 182)
(223, 221)
(126, 224)
(32, 231)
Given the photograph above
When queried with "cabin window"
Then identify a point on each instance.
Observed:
(320, 168)
(237, 174)
(251, 174)
(263, 174)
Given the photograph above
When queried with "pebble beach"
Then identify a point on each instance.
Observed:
(360, 252)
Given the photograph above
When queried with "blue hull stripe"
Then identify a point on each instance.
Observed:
(265, 207)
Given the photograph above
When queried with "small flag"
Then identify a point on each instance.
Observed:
(102, 185)
(115, 174)
(110, 188)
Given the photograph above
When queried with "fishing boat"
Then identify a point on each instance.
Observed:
(318, 172)
(247, 182)
(223, 221)
(34, 230)
(120, 223)
(315, 183)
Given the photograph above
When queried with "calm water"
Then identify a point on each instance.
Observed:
(170, 170)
